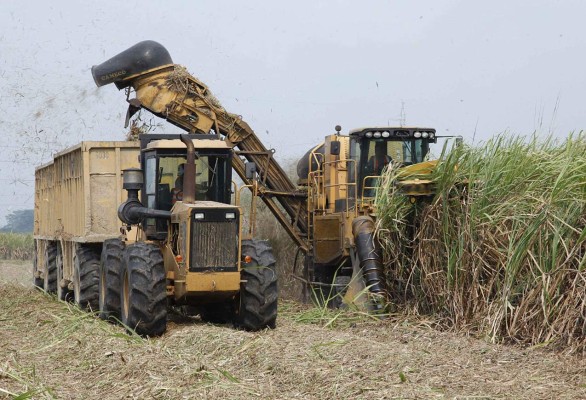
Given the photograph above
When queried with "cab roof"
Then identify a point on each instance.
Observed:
(365, 129)
(197, 143)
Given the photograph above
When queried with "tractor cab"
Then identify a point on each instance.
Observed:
(164, 159)
(374, 149)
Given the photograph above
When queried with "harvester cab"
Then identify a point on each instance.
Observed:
(342, 176)
(375, 149)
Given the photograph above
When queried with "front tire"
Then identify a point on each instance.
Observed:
(259, 291)
(110, 267)
(143, 294)
(86, 278)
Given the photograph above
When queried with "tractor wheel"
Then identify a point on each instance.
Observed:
(86, 278)
(110, 265)
(63, 293)
(217, 313)
(258, 291)
(50, 281)
(37, 280)
(143, 295)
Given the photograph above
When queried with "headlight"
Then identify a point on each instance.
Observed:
(417, 134)
(425, 134)
(377, 135)
(386, 134)
(431, 135)
(230, 215)
(199, 215)
(368, 134)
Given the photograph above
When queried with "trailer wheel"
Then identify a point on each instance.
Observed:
(110, 265)
(50, 281)
(37, 280)
(143, 295)
(63, 293)
(217, 313)
(86, 278)
(258, 291)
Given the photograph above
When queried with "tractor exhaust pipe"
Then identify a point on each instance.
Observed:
(132, 212)
(189, 172)
(369, 254)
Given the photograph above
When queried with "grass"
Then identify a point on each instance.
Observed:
(16, 246)
(501, 249)
(50, 349)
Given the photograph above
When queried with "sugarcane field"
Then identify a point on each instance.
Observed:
(314, 200)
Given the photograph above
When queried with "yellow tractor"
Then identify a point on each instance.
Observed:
(189, 248)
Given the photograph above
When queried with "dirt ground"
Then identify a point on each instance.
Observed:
(50, 349)
(16, 272)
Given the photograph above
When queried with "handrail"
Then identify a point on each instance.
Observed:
(364, 187)
(317, 188)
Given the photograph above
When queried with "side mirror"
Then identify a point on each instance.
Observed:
(250, 170)
(335, 148)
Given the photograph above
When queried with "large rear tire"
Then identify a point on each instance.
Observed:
(110, 266)
(258, 291)
(143, 295)
(86, 278)
(50, 280)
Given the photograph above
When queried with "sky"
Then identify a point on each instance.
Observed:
(293, 70)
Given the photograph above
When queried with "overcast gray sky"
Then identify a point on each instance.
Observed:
(293, 70)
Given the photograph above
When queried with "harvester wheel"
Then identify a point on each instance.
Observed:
(37, 280)
(63, 293)
(110, 265)
(258, 291)
(338, 292)
(217, 313)
(143, 295)
(50, 281)
(86, 278)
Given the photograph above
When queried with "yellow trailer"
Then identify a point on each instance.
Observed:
(76, 198)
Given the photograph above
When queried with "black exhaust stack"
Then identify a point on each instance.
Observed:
(132, 212)
(141, 57)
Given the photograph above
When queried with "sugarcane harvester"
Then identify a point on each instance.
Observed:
(342, 175)
(328, 217)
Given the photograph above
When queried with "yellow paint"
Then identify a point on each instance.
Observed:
(213, 281)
